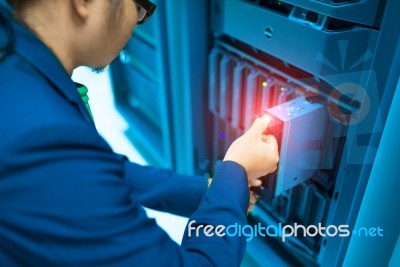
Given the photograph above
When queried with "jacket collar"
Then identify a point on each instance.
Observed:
(44, 60)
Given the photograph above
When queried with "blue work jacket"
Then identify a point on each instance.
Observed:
(66, 199)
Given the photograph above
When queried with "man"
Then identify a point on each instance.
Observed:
(65, 198)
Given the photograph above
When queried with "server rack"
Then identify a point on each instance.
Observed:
(262, 53)
(142, 91)
(170, 51)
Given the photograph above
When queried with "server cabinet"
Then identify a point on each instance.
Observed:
(300, 55)
(160, 79)
(142, 93)
(330, 65)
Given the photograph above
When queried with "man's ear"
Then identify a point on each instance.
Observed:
(81, 8)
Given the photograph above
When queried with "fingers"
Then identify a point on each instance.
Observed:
(253, 200)
(253, 197)
(270, 139)
(259, 126)
(250, 208)
(256, 183)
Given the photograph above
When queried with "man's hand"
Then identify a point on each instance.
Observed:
(255, 151)
(253, 200)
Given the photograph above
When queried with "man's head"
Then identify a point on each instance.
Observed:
(80, 32)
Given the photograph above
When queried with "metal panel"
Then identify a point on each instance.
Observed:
(304, 125)
(281, 37)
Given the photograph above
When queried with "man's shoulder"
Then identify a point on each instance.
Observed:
(19, 76)
(27, 97)
(29, 103)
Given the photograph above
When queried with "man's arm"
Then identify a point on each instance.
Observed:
(165, 190)
(65, 201)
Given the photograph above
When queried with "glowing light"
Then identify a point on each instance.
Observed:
(282, 88)
(266, 117)
(264, 84)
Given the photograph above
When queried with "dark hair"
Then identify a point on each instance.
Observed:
(6, 20)
(9, 12)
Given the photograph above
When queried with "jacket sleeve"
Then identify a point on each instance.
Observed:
(65, 202)
(165, 190)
